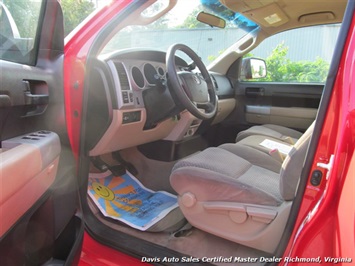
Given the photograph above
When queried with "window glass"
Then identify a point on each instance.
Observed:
(180, 25)
(75, 11)
(298, 56)
(18, 30)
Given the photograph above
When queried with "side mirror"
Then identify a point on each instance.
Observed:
(253, 68)
(211, 20)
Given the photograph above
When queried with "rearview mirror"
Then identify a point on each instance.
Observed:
(253, 68)
(211, 20)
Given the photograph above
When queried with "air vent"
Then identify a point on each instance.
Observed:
(122, 76)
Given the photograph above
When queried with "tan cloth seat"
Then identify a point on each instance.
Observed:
(233, 193)
(270, 130)
(278, 148)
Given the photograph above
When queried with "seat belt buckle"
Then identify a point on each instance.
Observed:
(289, 140)
(277, 155)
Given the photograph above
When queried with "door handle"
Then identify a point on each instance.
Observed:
(254, 92)
(36, 99)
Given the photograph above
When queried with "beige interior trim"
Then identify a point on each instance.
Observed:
(224, 108)
(308, 113)
(268, 16)
(24, 160)
(23, 181)
(295, 12)
(256, 226)
(292, 13)
(257, 118)
(294, 117)
(146, 20)
(186, 122)
(121, 136)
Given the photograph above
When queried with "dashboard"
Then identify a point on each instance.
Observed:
(130, 103)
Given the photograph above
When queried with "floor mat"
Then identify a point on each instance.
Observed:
(125, 199)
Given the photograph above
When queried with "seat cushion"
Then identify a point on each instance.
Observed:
(255, 156)
(216, 174)
(270, 130)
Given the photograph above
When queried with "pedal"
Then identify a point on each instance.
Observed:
(130, 167)
(117, 170)
(99, 164)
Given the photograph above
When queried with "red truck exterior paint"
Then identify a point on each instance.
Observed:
(325, 224)
(94, 254)
(76, 49)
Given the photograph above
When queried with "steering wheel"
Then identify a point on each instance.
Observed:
(195, 93)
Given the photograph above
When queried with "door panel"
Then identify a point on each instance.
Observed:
(36, 157)
(295, 117)
(290, 105)
(38, 193)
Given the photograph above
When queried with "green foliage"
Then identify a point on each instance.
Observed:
(25, 15)
(191, 22)
(74, 12)
(282, 69)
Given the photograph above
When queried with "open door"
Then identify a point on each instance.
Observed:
(38, 190)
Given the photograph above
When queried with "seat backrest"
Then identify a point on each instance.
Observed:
(291, 167)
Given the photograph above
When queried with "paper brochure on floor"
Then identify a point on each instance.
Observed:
(125, 199)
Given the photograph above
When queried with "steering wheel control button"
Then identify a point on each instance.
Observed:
(316, 178)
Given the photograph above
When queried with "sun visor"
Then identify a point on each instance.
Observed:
(268, 16)
(243, 6)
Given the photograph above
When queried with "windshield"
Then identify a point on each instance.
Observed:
(179, 25)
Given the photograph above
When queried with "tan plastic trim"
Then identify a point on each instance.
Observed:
(256, 226)
(225, 107)
(294, 117)
(263, 214)
(268, 16)
(18, 166)
(22, 181)
(294, 10)
(187, 121)
(297, 112)
(121, 136)
(257, 118)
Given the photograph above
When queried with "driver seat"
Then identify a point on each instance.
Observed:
(228, 196)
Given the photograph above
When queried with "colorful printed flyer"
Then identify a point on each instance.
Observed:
(125, 199)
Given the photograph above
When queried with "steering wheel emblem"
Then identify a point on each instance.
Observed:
(196, 79)
(201, 101)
